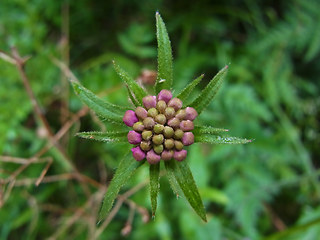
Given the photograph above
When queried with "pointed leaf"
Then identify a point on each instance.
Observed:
(165, 70)
(205, 138)
(186, 182)
(154, 186)
(207, 94)
(208, 130)
(173, 181)
(107, 111)
(105, 136)
(184, 94)
(132, 98)
(125, 169)
(136, 90)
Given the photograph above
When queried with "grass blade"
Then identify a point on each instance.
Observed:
(186, 182)
(165, 70)
(154, 186)
(125, 169)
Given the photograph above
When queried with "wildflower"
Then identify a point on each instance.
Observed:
(161, 127)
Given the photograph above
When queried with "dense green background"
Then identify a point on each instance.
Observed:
(271, 94)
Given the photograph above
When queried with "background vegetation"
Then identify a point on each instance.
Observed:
(267, 189)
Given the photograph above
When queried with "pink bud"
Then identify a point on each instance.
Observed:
(164, 95)
(141, 113)
(134, 137)
(149, 102)
(175, 103)
(191, 113)
(174, 122)
(167, 155)
(180, 155)
(130, 118)
(186, 125)
(138, 154)
(152, 157)
(188, 138)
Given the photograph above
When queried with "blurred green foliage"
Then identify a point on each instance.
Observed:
(271, 95)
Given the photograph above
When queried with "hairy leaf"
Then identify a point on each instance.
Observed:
(186, 182)
(207, 94)
(136, 90)
(132, 98)
(184, 94)
(165, 70)
(173, 181)
(208, 130)
(105, 136)
(204, 138)
(154, 186)
(125, 169)
(107, 111)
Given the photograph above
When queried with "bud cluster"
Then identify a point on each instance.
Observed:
(161, 129)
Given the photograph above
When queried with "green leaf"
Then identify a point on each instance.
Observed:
(105, 136)
(173, 182)
(165, 70)
(136, 90)
(207, 94)
(154, 186)
(208, 130)
(107, 111)
(132, 98)
(184, 94)
(125, 169)
(204, 138)
(186, 182)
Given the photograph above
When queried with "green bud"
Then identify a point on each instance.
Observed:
(138, 127)
(148, 123)
(178, 134)
(168, 132)
(161, 106)
(145, 145)
(158, 128)
(181, 114)
(157, 139)
(160, 118)
(158, 148)
(169, 112)
(152, 112)
(178, 145)
(169, 143)
(146, 135)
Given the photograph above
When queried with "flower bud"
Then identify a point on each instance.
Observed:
(191, 113)
(152, 112)
(174, 122)
(165, 95)
(145, 145)
(146, 135)
(168, 132)
(158, 148)
(181, 114)
(138, 154)
(138, 127)
(178, 134)
(188, 138)
(157, 139)
(186, 125)
(161, 106)
(180, 155)
(169, 112)
(141, 112)
(149, 102)
(148, 123)
(152, 157)
(160, 118)
(134, 137)
(178, 145)
(176, 103)
(169, 143)
(130, 118)
(167, 155)
(158, 128)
